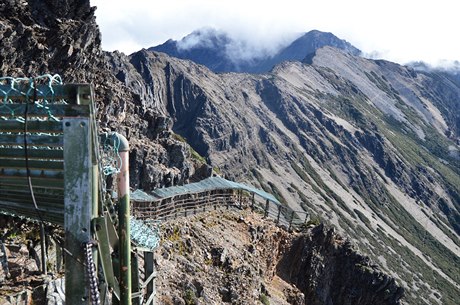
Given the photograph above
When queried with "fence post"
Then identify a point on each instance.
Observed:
(267, 206)
(279, 213)
(228, 203)
(77, 206)
(149, 267)
(205, 203)
(306, 218)
(290, 222)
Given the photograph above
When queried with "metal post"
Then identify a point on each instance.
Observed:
(77, 206)
(136, 285)
(124, 227)
(149, 267)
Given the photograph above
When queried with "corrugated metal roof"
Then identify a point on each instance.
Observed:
(209, 184)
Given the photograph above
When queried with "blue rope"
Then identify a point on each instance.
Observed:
(14, 86)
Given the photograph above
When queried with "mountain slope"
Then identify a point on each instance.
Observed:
(360, 144)
(221, 53)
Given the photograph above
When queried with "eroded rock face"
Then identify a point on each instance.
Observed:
(239, 258)
(41, 37)
(328, 270)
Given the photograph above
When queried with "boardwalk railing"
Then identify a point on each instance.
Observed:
(186, 201)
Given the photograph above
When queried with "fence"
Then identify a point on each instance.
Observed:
(184, 204)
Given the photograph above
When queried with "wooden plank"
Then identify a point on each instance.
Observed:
(47, 126)
(33, 164)
(72, 93)
(57, 110)
(32, 140)
(33, 153)
(35, 174)
(78, 205)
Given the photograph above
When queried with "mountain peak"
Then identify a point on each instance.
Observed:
(222, 53)
(204, 38)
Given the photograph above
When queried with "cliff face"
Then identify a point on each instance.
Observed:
(239, 258)
(321, 264)
(40, 37)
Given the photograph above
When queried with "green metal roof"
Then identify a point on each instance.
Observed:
(209, 184)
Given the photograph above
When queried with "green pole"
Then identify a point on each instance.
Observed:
(124, 225)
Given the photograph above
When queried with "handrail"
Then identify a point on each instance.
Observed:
(191, 204)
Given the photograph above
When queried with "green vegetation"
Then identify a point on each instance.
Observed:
(264, 299)
(179, 138)
(196, 156)
(314, 220)
(193, 153)
(190, 297)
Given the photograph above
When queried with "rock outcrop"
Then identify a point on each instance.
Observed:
(219, 258)
(42, 37)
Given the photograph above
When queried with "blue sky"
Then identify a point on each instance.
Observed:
(399, 31)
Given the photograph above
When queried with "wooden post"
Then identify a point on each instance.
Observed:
(267, 206)
(227, 203)
(279, 214)
(77, 206)
(290, 221)
(204, 205)
(306, 218)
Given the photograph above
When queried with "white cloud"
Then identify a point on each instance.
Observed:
(400, 31)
